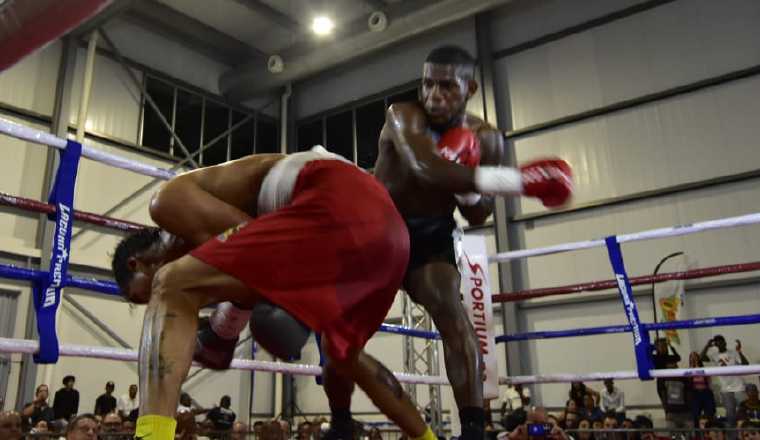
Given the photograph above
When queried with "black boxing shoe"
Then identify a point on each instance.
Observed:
(212, 351)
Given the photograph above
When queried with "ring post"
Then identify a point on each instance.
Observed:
(641, 344)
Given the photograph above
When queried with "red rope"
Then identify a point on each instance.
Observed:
(635, 281)
(87, 217)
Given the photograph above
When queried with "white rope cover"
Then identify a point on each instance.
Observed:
(33, 135)
(122, 354)
(672, 231)
(736, 370)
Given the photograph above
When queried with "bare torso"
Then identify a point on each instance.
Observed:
(412, 197)
(237, 182)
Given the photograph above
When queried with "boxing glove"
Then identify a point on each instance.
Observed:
(278, 331)
(218, 334)
(460, 145)
(549, 180)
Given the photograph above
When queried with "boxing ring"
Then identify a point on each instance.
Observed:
(47, 285)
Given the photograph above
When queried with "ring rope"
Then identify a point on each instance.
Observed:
(8, 345)
(594, 286)
(672, 231)
(36, 136)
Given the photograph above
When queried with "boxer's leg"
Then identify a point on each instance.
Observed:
(435, 286)
(382, 388)
(339, 389)
(179, 291)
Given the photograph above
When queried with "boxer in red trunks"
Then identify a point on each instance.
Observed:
(305, 232)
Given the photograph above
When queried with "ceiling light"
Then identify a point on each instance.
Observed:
(322, 25)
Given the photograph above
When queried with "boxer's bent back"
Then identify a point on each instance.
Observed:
(333, 256)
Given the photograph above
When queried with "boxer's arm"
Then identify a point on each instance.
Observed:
(183, 208)
(166, 350)
(406, 127)
(491, 153)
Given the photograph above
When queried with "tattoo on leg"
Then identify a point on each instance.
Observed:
(387, 378)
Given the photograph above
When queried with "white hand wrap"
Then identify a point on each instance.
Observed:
(228, 321)
(467, 199)
(498, 180)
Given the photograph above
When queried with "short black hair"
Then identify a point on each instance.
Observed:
(130, 246)
(68, 379)
(453, 55)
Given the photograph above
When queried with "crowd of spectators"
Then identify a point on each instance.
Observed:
(688, 402)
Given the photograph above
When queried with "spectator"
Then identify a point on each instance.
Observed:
(186, 427)
(106, 402)
(716, 430)
(730, 386)
(753, 430)
(590, 410)
(83, 427)
(66, 400)
(597, 424)
(702, 398)
(258, 429)
(610, 422)
(676, 402)
(128, 426)
(537, 416)
(187, 404)
(613, 400)
(10, 425)
(661, 358)
(38, 409)
(240, 431)
(515, 397)
(750, 408)
(578, 391)
(374, 434)
(111, 424)
(40, 428)
(584, 424)
(703, 421)
(645, 423)
(304, 430)
(570, 407)
(571, 420)
(222, 416)
(628, 424)
(128, 402)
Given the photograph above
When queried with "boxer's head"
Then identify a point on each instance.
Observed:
(136, 259)
(448, 81)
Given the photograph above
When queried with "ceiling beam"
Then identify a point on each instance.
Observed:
(112, 11)
(377, 5)
(192, 33)
(272, 14)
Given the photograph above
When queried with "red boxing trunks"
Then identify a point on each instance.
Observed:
(333, 255)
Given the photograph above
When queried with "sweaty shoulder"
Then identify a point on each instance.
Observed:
(409, 112)
(491, 140)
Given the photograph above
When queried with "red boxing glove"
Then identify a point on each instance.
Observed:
(460, 145)
(549, 179)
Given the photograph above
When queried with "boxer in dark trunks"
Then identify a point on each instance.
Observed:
(433, 158)
(303, 232)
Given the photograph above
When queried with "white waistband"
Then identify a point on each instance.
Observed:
(277, 188)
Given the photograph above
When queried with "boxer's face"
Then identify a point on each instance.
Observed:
(445, 91)
(144, 267)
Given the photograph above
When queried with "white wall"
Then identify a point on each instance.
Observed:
(375, 73)
(688, 138)
(114, 112)
(167, 56)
